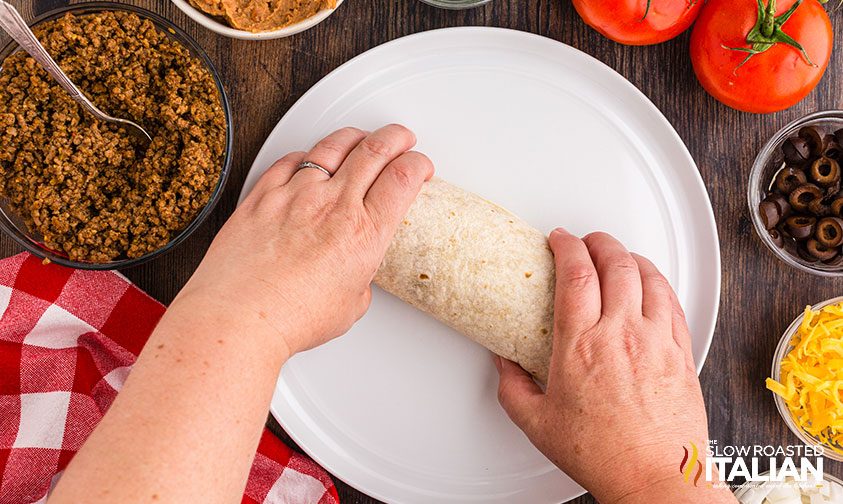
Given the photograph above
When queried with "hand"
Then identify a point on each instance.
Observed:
(300, 252)
(622, 397)
(290, 269)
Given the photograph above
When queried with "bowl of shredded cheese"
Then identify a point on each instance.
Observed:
(827, 491)
(807, 377)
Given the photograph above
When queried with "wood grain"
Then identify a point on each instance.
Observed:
(760, 295)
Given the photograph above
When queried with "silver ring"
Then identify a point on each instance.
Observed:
(308, 164)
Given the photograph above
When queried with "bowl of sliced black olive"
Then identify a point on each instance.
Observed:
(795, 195)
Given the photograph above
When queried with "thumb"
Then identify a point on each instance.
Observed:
(519, 395)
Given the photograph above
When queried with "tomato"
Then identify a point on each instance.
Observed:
(639, 22)
(757, 69)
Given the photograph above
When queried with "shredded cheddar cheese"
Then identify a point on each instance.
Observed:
(812, 375)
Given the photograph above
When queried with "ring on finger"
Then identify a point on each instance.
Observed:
(309, 164)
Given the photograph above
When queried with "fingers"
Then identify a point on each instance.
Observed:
(681, 334)
(330, 153)
(620, 280)
(661, 305)
(279, 173)
(656, 304)
(396, 188)
(519, 395)
(577, 305)
(369, 158)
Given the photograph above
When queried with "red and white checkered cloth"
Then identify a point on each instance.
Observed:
(68, 339)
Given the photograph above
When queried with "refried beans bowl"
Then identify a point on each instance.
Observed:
(217, 26)
(188, 172)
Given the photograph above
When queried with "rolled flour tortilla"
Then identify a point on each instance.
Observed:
(479, 269)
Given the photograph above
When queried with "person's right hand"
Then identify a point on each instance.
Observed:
(622, 397)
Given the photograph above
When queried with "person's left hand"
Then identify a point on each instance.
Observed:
(298, 256)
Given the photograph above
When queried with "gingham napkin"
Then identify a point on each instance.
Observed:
(68, 340)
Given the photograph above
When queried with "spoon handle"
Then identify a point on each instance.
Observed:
(12, 22)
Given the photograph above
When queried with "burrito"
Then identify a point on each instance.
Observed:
(479, 269)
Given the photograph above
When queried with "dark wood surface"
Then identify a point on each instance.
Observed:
(760, 295)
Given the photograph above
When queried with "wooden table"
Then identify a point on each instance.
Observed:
(760, 295)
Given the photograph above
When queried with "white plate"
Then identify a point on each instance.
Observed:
(405, 409)
(223, 29)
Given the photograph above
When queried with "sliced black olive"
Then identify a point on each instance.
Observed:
(825, 171)
(796, 150)
(777, 237)
(802, 252)
(837, 206)
(800, 227)
(770, 214)
(839, 136)
(781, 202)
(814, 136)
(829, 232)
(773, 209)
(820, 251)
(804, 195)
(831, 147)
(820, 209)
(831, 191)
(789, 179)
(836, 261)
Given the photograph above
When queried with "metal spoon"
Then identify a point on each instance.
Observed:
(12, 22)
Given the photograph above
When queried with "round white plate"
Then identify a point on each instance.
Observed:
(402, 407)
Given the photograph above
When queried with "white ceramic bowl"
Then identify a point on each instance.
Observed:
(223, 29)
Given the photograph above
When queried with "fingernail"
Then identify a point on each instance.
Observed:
(559, 230)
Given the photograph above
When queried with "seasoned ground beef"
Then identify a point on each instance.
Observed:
(87, 188)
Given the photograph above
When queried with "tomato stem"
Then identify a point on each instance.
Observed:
(768, 25)
(768, 32)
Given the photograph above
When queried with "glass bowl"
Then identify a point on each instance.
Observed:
(768, 162)
(743, 489)
(782, 349)
(456, 4)
(14, 226)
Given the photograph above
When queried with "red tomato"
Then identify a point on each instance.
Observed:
(639, 22)
(776, 77)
